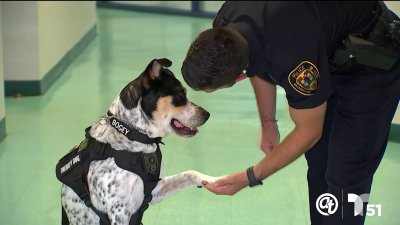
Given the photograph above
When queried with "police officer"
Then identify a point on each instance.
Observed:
(342, 94)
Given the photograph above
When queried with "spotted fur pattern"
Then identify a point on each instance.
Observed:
(117, 192)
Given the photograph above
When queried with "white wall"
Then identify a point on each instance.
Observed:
(35, 35)
(20, 38)
(61, 25)
(2, 105)
(394, 6)
(38, 34)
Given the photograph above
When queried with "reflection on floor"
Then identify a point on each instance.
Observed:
(42, 129)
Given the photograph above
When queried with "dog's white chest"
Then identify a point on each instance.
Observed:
(113, 188)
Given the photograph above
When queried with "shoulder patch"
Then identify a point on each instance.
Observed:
(304, 78)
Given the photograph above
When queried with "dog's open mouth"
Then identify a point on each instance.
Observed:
(182, 130)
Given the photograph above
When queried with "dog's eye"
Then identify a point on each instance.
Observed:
(180, 99)
(182, 96)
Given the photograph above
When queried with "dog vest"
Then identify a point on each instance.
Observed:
(73, 168)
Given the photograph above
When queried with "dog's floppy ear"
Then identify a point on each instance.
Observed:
(164, 62)
(154, 67)
(132, 92)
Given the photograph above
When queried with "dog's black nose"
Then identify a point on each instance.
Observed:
(206, 115)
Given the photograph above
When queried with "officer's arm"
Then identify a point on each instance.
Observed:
(265, 93)
(307, 131)
(266, 99)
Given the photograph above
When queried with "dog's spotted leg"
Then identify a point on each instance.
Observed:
(77, 211)
(172, 184)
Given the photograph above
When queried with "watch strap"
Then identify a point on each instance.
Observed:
(252, 178)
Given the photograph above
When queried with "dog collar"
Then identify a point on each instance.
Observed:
(131, 133)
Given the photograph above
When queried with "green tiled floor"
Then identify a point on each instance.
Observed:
(42, 129)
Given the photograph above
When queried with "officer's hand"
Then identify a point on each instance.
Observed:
(228, 185)
(269, 136)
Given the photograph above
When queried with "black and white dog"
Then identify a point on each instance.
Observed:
(154, 104)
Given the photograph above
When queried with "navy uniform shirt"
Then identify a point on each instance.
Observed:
(290, 42)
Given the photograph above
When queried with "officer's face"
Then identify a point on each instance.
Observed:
(240, 77)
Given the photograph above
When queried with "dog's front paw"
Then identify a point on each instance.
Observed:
(209, 180)
(200, 179)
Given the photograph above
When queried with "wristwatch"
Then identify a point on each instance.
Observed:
(252, 178)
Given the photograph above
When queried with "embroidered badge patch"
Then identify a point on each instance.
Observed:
(304, 78)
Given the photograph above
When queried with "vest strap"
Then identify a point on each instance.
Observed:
(73, 168)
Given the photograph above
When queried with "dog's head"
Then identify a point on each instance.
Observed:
(162, 98)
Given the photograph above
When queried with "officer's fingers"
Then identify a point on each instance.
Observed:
(226, 180)
(220, 190)
(212, 188)
(267, 147)
(221, 182)
(278, 137)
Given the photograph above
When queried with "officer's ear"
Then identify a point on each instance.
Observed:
(227, 41)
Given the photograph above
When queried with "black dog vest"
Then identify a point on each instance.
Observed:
(73, 168)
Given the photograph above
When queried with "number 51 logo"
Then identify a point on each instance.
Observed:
(359, 205)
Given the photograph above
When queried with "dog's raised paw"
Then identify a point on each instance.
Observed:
(203, 183)
(199, 179)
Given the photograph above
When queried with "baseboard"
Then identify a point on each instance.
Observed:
(2, 128)
(394, 134)
(155, 9)
(39, 87)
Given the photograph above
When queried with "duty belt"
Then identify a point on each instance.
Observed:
(379, 49)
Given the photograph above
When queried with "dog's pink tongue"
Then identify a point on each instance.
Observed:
(178, 124)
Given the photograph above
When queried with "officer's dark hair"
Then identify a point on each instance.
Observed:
(215, 58)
